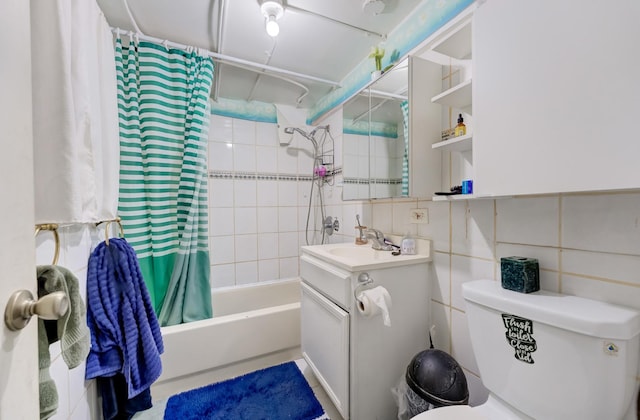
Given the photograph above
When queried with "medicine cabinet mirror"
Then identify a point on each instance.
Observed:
(375, 138)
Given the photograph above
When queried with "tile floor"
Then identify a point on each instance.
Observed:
(319, 392)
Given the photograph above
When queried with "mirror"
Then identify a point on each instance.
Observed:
(374, 132)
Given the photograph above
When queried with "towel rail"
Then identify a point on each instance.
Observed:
(53, 227)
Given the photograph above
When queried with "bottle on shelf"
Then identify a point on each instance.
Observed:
(461, 129)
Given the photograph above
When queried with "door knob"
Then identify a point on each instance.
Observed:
(22, 306)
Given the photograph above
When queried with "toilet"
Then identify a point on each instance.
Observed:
(548, 356)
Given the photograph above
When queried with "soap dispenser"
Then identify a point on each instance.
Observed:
(408, 245)
(461, 129)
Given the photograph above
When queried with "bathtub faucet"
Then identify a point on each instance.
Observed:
(377, 240)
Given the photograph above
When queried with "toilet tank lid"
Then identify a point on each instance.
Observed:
(580, 315)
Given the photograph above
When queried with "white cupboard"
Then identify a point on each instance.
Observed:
(556, 96)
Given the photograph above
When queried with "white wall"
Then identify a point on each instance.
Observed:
(77, 397)
(587, 245)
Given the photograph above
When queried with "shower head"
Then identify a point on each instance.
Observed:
(291, 130)
(308, 136)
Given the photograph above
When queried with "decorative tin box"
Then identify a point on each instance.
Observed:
(520, 274)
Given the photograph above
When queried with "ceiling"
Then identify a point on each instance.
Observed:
(311, 41)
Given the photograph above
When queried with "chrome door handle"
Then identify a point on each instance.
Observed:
(22, 306)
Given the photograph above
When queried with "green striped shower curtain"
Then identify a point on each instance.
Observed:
(163, 112)
(405, 158)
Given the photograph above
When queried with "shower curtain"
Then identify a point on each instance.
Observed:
(164, 118)
(75, 115)
(405, 158)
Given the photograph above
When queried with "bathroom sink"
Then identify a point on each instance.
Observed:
(360, 253)
(362, 257)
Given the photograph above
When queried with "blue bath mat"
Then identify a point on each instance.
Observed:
(275, 393)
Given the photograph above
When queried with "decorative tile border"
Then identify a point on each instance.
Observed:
(266, 176)
(377, 181)
(361, 128)
(252, 111)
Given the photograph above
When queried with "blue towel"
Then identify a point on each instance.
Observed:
(125, 334)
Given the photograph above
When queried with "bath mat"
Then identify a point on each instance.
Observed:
(275, 393)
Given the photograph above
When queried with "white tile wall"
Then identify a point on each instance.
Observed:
(267, 159)
(472, 230)
(587, 245)
(244, 132)
(266, 134)
(532, 221)
(257, 225)
(246, 249)
(246, 272)
(244, 158)
(223, 275)
(221, 156)
(268, 269)
(221, 193)
(441, 275)
(268, 193)
(608, 222)
(245, 220)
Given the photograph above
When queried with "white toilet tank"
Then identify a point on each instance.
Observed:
(554, 356)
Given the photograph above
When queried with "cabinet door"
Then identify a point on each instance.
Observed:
(325, 345)
(425, 81)
(556, 96)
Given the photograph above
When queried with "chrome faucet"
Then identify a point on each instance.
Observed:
(377, 240)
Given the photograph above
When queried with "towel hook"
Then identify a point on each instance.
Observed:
(53, 227)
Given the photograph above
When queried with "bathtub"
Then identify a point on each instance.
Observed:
(253, 327)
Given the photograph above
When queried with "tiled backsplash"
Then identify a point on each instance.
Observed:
(587, 245)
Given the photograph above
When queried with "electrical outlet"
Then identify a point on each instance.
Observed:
(419, 216)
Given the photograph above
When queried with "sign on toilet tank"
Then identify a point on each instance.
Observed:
(520, 336)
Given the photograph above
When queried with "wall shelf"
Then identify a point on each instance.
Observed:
(457, 97)
(456, 144)
(457, 44)
(459, 197)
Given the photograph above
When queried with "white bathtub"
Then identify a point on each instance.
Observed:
(254, 326)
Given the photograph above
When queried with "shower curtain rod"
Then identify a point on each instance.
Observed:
(228, 59)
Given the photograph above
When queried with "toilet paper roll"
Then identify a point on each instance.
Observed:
(372, 302)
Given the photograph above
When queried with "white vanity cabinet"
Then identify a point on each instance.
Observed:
(357, 359)
(556, 96)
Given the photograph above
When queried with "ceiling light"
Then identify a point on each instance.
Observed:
(272, 10)
(273, 29)
(374, 7)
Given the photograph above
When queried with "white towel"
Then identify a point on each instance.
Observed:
(75, 114)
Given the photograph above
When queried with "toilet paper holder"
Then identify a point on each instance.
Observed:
(363, 280)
